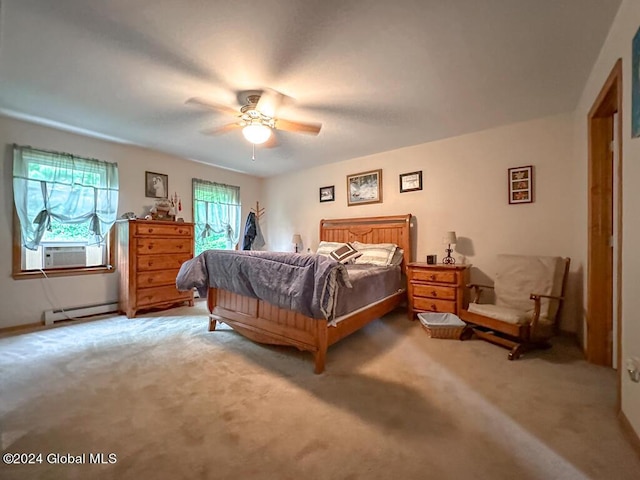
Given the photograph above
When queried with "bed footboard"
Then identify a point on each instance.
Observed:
(265, 323)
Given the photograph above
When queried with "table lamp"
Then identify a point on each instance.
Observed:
(296, 240)
(449, 239)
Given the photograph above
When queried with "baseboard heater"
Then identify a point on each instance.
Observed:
(51, 316)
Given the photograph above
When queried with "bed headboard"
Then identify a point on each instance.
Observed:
(390, 229)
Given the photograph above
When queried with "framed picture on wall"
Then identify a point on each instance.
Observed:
(635, 86)
(156, 185)
(364, 188)
(410, 182)
(521, 184)
(327, 194)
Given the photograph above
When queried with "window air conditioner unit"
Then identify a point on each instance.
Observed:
(68, 256)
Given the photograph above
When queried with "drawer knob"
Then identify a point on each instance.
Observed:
(434, 293)
(433, 307)
(432, 277)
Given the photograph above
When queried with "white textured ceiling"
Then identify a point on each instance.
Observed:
(378, 75)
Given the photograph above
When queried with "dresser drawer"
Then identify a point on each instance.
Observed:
(431, 276)
(150, 246)
(160, 262)
(154, 295)
(434, 305)
(434, 291)
(161, 230)
(155, 278)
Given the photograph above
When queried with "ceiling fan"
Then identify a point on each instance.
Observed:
(257, 117)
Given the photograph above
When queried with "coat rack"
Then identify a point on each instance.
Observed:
(258, 211)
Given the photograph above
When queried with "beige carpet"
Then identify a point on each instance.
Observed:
(174, 401)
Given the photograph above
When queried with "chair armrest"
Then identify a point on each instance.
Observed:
(477, 290)
(541, 295)
(537, 297)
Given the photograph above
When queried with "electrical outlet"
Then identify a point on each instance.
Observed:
(633, 367)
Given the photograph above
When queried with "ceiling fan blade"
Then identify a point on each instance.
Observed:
(223, 129)
(201, 102)
(291, 126)
(269, 102)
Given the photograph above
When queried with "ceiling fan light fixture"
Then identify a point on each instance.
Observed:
(256, 133)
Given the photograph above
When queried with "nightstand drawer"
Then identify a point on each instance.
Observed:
(434, 291)
(433, 276)
(433, 305)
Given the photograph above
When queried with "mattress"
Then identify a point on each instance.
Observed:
(370, 284)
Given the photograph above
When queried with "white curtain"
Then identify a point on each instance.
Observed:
(48, 185)
(216, 210)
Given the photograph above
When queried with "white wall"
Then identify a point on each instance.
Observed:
(24, 301)
(618, 45)
(464, 189)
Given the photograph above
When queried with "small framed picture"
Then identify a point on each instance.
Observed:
(328, 194)
(156, 185)
(410, 182)
(521, 184)
(365, 187)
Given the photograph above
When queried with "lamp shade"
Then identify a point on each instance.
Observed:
(449, 238)
(297, 239)
(256, 133)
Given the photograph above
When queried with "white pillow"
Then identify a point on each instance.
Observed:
(345, 254)
(325, 248)
(375, 253)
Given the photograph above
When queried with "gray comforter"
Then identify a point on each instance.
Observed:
(304, 283)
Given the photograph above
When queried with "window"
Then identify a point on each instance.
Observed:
(65, 207)
(216, 214)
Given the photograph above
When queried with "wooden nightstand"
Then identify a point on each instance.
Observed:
(437, 288)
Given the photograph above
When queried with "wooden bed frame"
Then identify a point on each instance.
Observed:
(266, 323)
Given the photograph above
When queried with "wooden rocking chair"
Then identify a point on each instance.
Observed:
(529, 292)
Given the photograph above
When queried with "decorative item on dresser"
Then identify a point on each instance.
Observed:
(437, 288)
(150, 253)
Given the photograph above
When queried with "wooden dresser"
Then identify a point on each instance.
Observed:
(149, 256)
(437, 288)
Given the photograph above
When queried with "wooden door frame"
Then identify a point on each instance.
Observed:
(601, 217)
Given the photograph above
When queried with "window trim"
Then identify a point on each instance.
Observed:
(19, 274)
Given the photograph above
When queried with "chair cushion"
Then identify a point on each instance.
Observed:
(505, 314)
(519, 276)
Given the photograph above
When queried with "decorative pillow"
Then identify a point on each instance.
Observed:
(379, 254)
(325, 248)
(345, 254)
(396, 260)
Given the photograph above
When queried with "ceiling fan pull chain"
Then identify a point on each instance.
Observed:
(253, 154)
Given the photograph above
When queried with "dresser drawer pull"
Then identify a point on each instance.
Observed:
(432, 277)
(434, 293)
(433, 307)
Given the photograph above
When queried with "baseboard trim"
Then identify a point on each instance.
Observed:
(20, 328)
(632, 435)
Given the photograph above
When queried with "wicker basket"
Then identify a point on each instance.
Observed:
(444, 332)
(442, 325)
